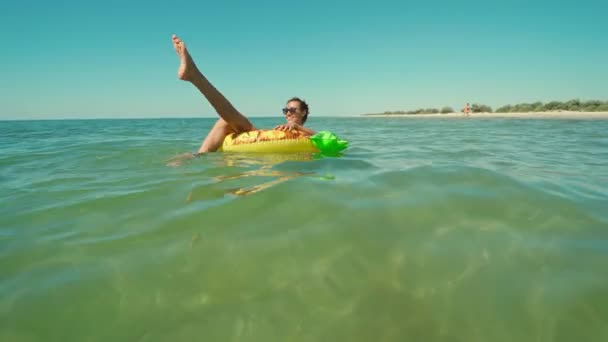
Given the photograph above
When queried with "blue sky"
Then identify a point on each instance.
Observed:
(81, 59)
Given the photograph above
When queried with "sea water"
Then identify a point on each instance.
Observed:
(423, 230)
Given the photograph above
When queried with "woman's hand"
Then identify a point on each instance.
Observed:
(288, 127)
(295, 127)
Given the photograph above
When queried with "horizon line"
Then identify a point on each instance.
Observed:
(162, 118)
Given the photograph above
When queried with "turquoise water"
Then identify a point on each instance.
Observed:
(425, 230)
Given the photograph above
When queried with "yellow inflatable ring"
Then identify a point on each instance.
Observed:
(268, 141)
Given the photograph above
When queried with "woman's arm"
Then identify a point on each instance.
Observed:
(303, 129)
(296, 127)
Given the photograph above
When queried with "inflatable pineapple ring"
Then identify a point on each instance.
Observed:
(275, 141)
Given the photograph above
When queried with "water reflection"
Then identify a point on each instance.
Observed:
(241, 174)
(263, 164)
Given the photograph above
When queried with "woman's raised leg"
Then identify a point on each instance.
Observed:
(188, 71)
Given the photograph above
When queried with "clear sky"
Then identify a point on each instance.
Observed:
(91, 59)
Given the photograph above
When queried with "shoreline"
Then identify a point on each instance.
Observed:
(523, 115)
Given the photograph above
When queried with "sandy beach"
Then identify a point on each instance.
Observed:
(525, 115)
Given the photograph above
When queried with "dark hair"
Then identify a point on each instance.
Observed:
(303, 106)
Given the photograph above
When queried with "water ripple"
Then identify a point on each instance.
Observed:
(427, 229)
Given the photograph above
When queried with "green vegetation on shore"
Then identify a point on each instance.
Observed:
(572, 105)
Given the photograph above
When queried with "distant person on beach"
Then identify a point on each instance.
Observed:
(467, 109)
(231, 120)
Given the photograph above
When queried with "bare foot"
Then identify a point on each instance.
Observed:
(187, 69)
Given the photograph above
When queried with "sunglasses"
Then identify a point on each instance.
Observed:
(291, 110)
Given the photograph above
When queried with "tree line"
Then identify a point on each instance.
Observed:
(443, 110)
(574, 105)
